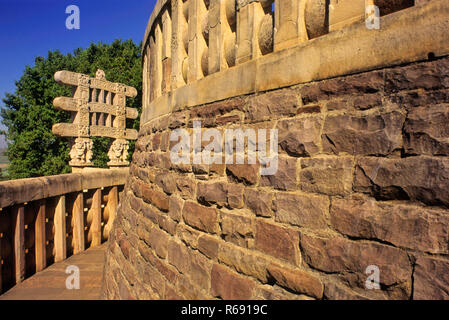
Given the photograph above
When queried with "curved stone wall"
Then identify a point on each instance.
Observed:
(360, 191)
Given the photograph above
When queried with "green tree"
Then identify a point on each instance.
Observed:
(29, 114)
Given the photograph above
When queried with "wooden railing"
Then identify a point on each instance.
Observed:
(187, 40)
(45, 220)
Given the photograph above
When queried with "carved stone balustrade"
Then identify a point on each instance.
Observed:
(45, 220)
(199, 51)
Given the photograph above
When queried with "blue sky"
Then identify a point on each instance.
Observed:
(31, 28)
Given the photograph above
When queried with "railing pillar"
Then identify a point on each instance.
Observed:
(95, 227)
(166, 51)
(78, 224)
(39, 238)
(60, 230)
(289, 23)
(197, 43)
(178, 50)
(249, 16)
(110, 211)
(18, 213)
(219, 32)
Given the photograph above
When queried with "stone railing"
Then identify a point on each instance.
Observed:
(45, 220)
(201, 51)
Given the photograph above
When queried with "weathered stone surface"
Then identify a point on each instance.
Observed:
(166, 181)
(212, 193)
(335, 291)
(223, 120)
(217, 108)
(279, 242)
(228, 285)
(339, 255)
(200, 271)
(430, 75)
(426, 131)
(419, 98)
(284, 178)
(157, 198)
(300, 137)
(364, 135)
(177, 120)
(236, 228)
(297, 280)
(301, 210)
(188, 235)
(208, 245)
(235, 196)
(203, 218)
(403, 226)
(164, 269)
(186, 187)
(416, 178)
(331, 176)
(431, 279)
(246, 173)
(178, 256)
(267, 292)
(158, 240)
(364, 83)
(272, 104)
(175, 208)
(244, 261)
(258, 202)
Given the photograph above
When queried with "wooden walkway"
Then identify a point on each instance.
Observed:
(50, 284)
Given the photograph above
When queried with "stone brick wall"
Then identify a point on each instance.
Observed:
(363, 180)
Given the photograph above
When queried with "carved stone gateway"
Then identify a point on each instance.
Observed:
(98, 109)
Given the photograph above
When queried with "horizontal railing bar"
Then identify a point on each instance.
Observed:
(26, 190)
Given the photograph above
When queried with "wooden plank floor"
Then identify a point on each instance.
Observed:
(49, 284)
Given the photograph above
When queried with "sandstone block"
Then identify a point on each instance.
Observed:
(339, 255)
(212, 193)
(178, 256)
(186, 187)
(297, 280)
(236, 228)
(431, 279)
(284, 178)
(404, 226)
(331, 176)
(365, 135)
(166, 181)
(430, 75)
(156, 198)
(228, 285)
(370, 82)
(279, 242)
(426, 131)
(301, 210)
(244, 261)
(203, 218)
(300, 137)
(258, 202)
(217, 108)
(245, 173)
(208, 246)
(272, 104)
(421, 179)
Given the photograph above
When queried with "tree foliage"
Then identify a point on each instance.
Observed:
(29, 114)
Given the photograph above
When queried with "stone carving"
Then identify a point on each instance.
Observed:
(81, 152)
(98, 110)
(118, 153)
